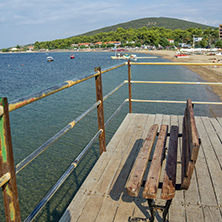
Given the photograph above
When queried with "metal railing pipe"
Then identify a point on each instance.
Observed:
(117, 110)
(176, 102)
(178, 83)
(176, 63)
(18, 103)
(4, 179)
(61, 180)
(48, 143)
(129, 87)
(114, 90)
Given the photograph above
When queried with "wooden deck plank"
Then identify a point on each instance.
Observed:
(214, 136)
(85, 190)
(177, 209)
(219, 120)
(202, 168)
(212, 214)
(102, 197)
(218, 128)
(105, 180)
(119, 180)
(108, 210)
(215, 160)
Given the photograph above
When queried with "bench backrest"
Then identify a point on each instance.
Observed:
(190, 145)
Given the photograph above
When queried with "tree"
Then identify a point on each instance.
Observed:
(203, 43)
(219, 43)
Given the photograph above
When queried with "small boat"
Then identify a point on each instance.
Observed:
(72, 56)
(50, 59)
(182, 56)
(126, 56)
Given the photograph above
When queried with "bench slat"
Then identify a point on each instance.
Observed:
(137, 173)
(194, 149)
(169, 181)
(152, 182)
(190, 147)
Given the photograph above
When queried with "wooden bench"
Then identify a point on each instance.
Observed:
(190, 148)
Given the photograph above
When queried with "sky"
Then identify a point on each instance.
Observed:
(27, 21)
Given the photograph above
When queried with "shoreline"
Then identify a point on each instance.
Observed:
(208, 73)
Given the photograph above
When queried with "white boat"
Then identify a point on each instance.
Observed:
(50, 59)
(125, 56)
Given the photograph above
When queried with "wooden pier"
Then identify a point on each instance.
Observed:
(102, 197)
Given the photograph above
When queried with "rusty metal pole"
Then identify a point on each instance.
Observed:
(129, 86)
(9, 189)
(100, 110)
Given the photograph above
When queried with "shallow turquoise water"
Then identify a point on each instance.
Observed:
(31, 126)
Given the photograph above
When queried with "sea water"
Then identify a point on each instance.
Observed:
(34, 124)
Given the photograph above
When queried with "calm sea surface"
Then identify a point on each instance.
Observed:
(33, 125)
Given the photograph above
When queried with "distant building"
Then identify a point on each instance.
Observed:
(170, 40)
(31, 48)
(116, 43)
(184, 45)
(197, 39)
(98, 43)
(84, 44)
(220, 31)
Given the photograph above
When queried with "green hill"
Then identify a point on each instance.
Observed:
(169, 23)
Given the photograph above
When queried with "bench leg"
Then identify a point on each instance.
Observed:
(165, 212)
(151, 207)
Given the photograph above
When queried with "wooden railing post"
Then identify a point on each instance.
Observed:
(9, 189)
(100, 110)
(129, 86)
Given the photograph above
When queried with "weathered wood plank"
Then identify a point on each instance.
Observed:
(194, 213)
(212, 214)
(152, 183)
(91, 208)
(87, 187)
(214, 137)
(218, 128)
(194, 135)
(124, 211)
(169, 181)
(190, 146)
(127, 161)
(113, 204)
(219, 120)
(203, 173)
(213, 145)
(136, 176)
(108, 210)
(177, 209)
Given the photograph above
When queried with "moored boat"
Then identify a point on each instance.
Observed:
(125, 56)
(50, 59)
(72, 56)
(182, 56)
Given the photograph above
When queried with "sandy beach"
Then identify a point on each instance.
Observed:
(208, 73)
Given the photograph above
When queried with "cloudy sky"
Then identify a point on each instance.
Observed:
(27, 21)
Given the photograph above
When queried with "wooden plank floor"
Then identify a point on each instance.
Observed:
(102, 196)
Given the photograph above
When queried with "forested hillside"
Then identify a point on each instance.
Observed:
(137, 37)
(168, 23)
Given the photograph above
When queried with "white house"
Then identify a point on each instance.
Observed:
(170, 40)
